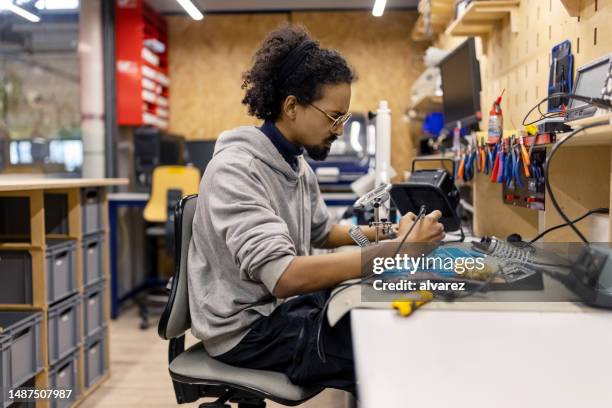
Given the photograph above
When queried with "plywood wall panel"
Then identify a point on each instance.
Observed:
(207, 59)
(495, 219)
(580, 182)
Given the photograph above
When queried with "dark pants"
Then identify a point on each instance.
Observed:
(286, 341)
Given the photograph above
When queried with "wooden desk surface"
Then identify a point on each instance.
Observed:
(22, 183)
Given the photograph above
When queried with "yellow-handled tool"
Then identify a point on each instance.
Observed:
(525, 155)
(405, 306)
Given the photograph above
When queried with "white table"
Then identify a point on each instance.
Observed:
(484, 355)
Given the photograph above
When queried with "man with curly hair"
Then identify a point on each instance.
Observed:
(256, 296)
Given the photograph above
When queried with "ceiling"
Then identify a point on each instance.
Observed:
(234, 6)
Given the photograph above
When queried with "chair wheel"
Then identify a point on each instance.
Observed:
(144, 324)
(214, 405)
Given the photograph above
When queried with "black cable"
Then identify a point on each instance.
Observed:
(549, 191)
(556, 227)
(598, 102)
(547, 115)
(544, 117)
(342, 287)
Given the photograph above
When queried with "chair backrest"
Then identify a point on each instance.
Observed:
(165, 178)
(175, 319)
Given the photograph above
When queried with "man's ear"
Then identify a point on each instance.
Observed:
(290, 107)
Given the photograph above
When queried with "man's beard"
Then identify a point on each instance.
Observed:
(320, 152)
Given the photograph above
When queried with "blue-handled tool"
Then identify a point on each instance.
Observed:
(502, 165)
(490, 159)
(538, 170)
(466, 166)
(517, 177)
(473, 159)
(509, 167)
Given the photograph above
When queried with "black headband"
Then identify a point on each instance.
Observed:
(294, 58)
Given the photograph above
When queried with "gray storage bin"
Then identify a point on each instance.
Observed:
(5, 364)
(15, 223)
(93, 309)
(15, 277)
(31, 383)
(64, 333)
(56, 214)
(20, 345)
(61, 269)
(91, 209)
(93, 271)
(94, 359)
(64, 376)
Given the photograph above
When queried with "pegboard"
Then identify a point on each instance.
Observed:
(519, 63)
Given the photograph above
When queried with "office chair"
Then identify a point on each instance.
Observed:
(194, 373)
(169, 184)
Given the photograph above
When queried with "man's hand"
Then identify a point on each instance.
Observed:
(306, 274)
(428, 229)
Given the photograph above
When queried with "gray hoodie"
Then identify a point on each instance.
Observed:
(254, 215)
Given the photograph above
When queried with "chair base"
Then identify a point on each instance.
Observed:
(242, 402)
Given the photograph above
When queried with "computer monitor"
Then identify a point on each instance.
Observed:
(199, 153)
(171, 150)
(590, 79)
(21, 152)
(460, 72)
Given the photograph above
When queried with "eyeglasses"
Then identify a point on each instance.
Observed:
(340, 121)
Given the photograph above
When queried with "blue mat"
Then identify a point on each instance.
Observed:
(443, 253)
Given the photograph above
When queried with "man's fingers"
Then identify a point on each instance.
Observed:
(435, 215)
(412, 216)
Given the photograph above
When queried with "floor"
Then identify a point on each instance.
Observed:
(139, 374)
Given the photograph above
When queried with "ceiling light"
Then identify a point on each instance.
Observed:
(191, 9)
(379, 8)
(57, 4)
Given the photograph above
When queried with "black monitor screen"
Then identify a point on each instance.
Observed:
(199, 153)
(460, 73)
(171, 150)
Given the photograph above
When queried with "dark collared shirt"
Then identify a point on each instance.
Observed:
(287, 149)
